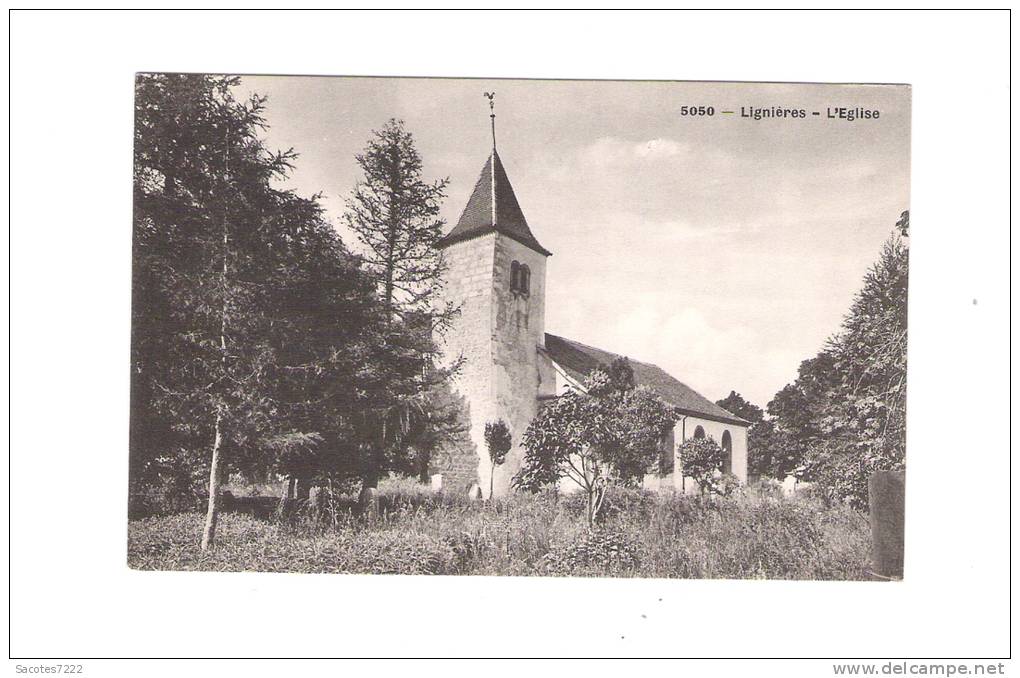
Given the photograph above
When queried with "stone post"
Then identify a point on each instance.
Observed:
(886, 494)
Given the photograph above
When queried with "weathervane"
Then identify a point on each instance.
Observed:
(492, 115)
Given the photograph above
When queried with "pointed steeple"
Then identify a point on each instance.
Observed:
(493, 207)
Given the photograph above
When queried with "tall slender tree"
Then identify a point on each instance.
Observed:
(498, 442)
(394, 212)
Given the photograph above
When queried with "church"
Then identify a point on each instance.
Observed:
(496, 275)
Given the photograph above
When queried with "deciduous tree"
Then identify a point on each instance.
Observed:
(594, 437)
(498, 442)
(845, 415)
(702, 460)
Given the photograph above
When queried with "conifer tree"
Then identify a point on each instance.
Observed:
(251, 321)
(395, 214)
(201, 187)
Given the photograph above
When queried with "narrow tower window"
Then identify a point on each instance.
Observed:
(515, 277)
(525, 287)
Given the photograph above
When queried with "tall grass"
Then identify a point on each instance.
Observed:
(643, 534)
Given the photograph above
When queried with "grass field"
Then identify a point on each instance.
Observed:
(643, 534)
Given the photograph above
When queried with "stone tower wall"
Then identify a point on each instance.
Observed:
(469, 286)
(518, 324)
(497, 333)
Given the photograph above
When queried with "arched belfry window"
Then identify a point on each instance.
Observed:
(727, 446)
(699, 433)
(520, 278)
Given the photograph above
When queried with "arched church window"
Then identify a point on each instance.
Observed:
(699, 433)
(515, 276)
(727, 445)
(525, 287)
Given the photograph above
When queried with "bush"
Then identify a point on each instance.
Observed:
(164, 497)
(767, 487)
(703, 461)
(619, 500)
(727, 484)
(749, 534)
(596, 552)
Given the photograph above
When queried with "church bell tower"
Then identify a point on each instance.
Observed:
(496, 276)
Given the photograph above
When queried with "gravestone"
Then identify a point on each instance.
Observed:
(368, 501)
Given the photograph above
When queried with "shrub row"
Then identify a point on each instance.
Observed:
(747, 535)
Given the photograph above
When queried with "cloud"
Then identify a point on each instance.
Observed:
(661, 148)
(616, 151)
(723, 251)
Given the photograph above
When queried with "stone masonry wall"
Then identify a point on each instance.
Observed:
(518, 331)
(469, 285)
(498, 334)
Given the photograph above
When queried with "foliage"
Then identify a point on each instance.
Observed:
(768, 487)
(498, 443)
(771, 453)
(734, 403)
(903, 223)
(217, 252)
(870, 355)
(845, 415)
(702, 460)
(636, 502)
(598, 551)
(609, 432)
(394, 213)
(255, 332)
(727, 484)
(641, 424)
(621, 375)
(745, 535)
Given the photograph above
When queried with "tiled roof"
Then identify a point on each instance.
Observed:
(578, 360)
(479, 217)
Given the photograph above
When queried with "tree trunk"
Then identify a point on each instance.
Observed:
(492, 477)
(370, 478)
(209, 533)
(212, 512)
(424, 474)
(388, 293)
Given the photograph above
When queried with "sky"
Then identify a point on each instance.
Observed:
(723, 249)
